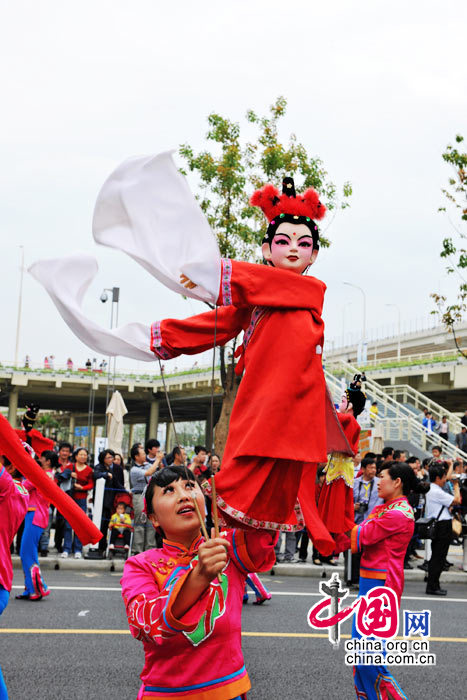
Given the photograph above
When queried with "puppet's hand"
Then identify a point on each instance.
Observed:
(187, 283)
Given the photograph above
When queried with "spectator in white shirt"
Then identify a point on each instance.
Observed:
(437, 506)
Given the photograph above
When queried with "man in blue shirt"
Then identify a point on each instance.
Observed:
(365, 491)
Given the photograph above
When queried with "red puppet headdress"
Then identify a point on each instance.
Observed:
(302, 208)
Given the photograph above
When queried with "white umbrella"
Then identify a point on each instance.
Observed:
(116, 410)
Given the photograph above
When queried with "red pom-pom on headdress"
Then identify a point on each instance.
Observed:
(273, 204)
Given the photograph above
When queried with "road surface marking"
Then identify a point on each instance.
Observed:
(300, 635)
(117, 589)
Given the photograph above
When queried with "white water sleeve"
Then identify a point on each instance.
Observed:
(147, 210)
(66, 280)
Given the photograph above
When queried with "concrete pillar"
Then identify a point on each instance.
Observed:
(153, 419)
(13, 407)
(169, 437)
(130, 436)
(71, 429)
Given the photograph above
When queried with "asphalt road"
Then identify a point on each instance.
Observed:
(91, 662)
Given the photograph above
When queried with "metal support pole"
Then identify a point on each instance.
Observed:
(20, 304)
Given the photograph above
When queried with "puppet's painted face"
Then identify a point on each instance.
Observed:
(344, 405)
(291, 248)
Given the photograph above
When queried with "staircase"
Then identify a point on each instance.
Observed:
(398, 422)
(416, 401)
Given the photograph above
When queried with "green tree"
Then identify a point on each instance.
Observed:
(452, 311)
(227, 175)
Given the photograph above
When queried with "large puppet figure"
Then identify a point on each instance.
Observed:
(336, 497)
(277, 433)
(283, 422)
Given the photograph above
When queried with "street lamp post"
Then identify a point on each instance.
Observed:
(20, 303)
(398, 329)
(350, 284)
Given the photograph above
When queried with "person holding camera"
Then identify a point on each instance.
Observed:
(365, 490)
(438, 503)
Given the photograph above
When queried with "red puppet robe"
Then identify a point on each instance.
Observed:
(38, 442)
(335, 505)
(277, 431)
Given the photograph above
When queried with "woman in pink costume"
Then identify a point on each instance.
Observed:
(383, 539)
(37, 518)
(184, 601)
(14, 500)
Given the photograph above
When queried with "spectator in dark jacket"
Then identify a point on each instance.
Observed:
(113, 475)
(461, 439)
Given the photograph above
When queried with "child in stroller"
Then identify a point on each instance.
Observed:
(121, 528)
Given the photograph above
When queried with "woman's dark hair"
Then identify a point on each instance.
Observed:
(78, 449)
(103, 455)
(52, 456)
(402, 471)
(164, 477)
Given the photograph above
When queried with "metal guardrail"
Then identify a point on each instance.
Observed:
(145, 373)
(397, 420)
(422, 357)
(407, 394)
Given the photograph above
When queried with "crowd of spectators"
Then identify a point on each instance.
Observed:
(77, 473)
(445, 499)
(125, 481)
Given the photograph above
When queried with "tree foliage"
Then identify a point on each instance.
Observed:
(230, 173)
(453, 250)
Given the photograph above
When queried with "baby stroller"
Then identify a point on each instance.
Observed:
(120, 532)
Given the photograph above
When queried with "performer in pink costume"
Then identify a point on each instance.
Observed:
(37, 518)
(188, 620)
(14, 500)
(383, 539)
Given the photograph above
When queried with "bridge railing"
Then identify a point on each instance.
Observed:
(142, 373)
(407, 360)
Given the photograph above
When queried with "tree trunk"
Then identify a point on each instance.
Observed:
(222, 427)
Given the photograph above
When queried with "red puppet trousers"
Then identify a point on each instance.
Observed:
(12, 447)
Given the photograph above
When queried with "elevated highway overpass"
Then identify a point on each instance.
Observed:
(70, 392)
(429, 362)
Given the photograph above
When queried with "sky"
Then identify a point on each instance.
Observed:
(376, 90)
